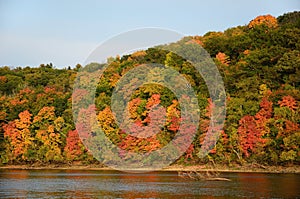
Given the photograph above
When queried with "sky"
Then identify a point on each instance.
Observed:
(65, 33)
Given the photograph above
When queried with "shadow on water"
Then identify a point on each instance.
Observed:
(167, 184)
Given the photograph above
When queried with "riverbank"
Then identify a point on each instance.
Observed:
(219, 168)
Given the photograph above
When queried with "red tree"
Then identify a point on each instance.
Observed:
(74, 147)
(253, 128)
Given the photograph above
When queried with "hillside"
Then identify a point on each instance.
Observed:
(260, 66)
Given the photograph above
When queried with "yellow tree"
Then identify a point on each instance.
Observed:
(47, 136)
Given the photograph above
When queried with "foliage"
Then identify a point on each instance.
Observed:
(260, 66)
(267, 20)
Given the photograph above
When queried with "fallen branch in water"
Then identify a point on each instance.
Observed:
(208, 175)
(217, 179)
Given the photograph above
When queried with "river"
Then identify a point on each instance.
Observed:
(166, 184)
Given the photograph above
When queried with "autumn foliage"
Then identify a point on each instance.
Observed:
(74, 147)
(267, 20)
(259, 64)
(19, 134)
(223, 58)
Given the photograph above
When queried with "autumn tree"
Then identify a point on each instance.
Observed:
(48, 139)
(286, 123)
(20, 141)
(74, 148)
(253, 129)
(267, 20)
(223, 58)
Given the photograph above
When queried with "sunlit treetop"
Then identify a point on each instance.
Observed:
(267, 20)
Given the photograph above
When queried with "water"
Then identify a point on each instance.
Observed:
(114, 184)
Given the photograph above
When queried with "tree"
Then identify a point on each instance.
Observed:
(74, 148)
(253, 129)
(288, 66)
(20, 141)
(249, 135)
(287, 128)
(48, 139)
(267, 20)
(223, 58)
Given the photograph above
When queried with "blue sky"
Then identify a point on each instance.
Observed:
(66, 32)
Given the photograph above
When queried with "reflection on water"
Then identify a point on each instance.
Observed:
(114, 184)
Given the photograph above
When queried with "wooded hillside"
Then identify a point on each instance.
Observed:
(260, 66)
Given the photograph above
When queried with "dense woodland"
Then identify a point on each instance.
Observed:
(260, 66)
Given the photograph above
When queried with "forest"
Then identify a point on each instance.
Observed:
(260, 66)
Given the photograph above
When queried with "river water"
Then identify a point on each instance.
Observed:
(167, 184)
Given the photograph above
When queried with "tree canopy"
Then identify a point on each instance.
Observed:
(259, 63)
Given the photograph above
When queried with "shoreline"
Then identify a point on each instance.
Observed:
(219, 168)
